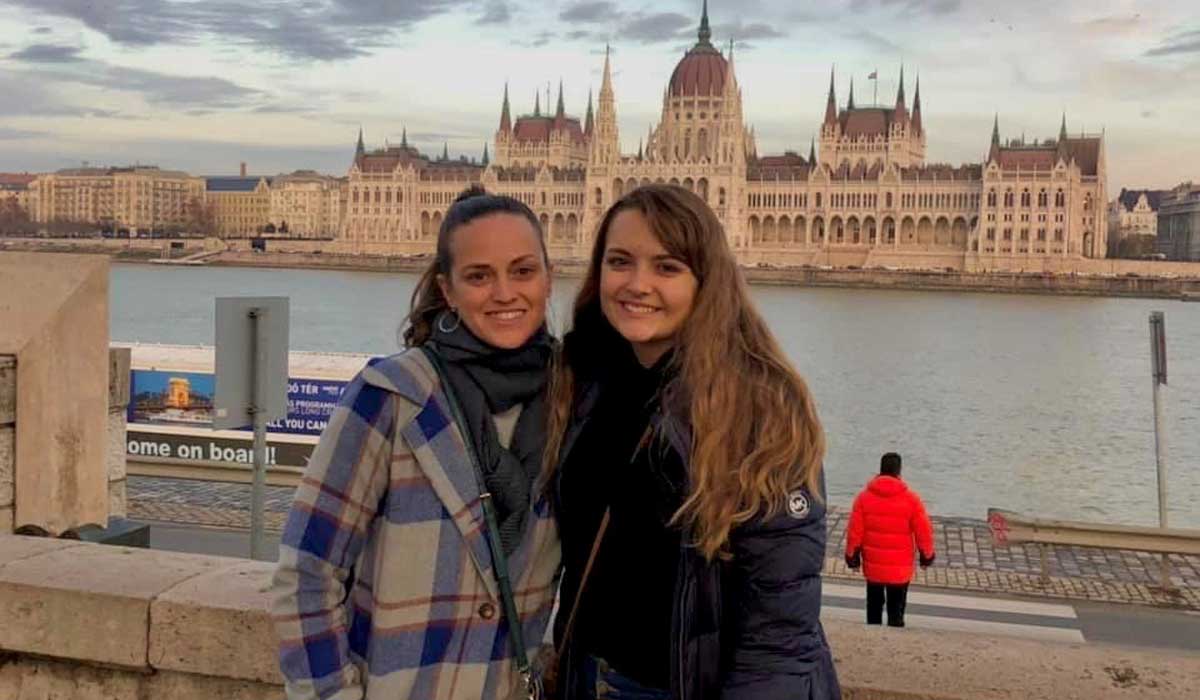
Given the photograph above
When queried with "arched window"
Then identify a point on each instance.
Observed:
(1008, 198)
(1025, 197)
(991, 200)
(1060, 199)
(1043, 198)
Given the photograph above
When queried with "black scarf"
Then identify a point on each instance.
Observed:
(488, 381)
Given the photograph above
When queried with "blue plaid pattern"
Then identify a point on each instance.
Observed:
(384, 588)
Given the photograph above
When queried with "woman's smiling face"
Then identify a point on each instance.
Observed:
(499, 282)
(645, 293)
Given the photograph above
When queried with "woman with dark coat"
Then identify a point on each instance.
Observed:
(684, 465)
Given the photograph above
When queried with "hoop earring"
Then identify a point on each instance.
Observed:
(441, 322)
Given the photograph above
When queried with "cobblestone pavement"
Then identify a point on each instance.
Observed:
(966, 557)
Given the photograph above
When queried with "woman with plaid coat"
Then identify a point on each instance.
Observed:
(386, 587)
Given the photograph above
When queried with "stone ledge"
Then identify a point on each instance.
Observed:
(94, 622)
(218, 620)
(908, 664)
(45, 679)
(86, 602)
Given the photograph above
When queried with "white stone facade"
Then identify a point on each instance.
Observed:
(867, 198)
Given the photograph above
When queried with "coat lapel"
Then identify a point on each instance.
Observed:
(439, 448)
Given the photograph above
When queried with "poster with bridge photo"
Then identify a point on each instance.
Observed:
(185, 399)
(171, 398)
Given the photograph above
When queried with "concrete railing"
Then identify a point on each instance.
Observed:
(92, 622)
(1013, 528)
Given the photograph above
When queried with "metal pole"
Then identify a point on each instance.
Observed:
(1158, 354)
(258, 412)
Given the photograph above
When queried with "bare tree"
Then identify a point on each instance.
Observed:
(201, 216)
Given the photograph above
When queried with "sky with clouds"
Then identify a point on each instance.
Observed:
(202, 85)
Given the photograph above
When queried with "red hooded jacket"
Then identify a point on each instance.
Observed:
(887, 517)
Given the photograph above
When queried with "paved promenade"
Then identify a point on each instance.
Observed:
(966, 558)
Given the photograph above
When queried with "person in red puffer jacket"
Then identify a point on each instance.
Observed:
(887, 517)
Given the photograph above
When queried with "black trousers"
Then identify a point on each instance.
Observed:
(895, 596)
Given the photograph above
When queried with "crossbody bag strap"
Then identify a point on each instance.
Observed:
(516, 632)
(587, 570)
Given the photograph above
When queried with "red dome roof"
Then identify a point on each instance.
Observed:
(701, 72)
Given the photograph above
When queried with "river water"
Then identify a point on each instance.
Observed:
(1039, 404)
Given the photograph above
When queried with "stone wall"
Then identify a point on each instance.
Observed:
(118, 404)
(118, 401)
(8, 455)
(93, 622)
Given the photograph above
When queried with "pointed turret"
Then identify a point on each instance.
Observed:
(606, 82)
(486, 159)
(561, 110)
(606, 144)
(537, 104)
(639, 149)
(994, 151)
(831, 103)
(445, 150)
(361, 148)
(916, 113)
(705, 34)
(1063, 151)
(812, 151)
(505, 115)
(589, 121)
(850, 102)
(404, 137)
(901, 106)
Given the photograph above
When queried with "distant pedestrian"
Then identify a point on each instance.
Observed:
(887, 518)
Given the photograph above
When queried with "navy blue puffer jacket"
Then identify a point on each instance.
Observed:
(747, 628)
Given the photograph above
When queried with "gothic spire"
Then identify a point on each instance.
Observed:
(916, 113)
(404, 137)
(994, 151)
(561, 110)
(606, 83)
(589, 120)
(505, 118)
(850, 104)
(361, 148)
(705, 33)
(537, 103)
(831, 103)
(1062, 139)
(486, 159)
(812, 151)
(900, 92)
(445, 150)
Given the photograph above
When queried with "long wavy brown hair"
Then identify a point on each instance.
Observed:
(755, 432)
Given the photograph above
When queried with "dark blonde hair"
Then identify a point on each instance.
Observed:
(427, 299)
(755, 432)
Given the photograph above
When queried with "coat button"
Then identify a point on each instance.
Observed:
(487, 611)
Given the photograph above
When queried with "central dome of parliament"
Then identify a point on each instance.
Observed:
(701, 72)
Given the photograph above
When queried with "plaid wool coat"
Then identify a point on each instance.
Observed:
(385, 588)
